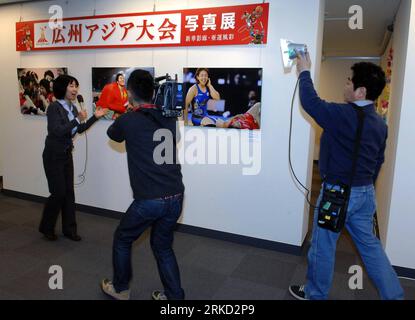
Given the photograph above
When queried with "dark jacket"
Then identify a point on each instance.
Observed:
(59, 136)
(148, 179)
(339, 122)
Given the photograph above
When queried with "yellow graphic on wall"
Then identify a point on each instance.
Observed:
(383, 101)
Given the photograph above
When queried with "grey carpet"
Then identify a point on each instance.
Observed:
(210, 269)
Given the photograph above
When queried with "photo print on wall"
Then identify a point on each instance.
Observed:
(36, 88)
(109, 89)
(223, 97)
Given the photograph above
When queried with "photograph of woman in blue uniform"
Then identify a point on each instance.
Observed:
(198, 96)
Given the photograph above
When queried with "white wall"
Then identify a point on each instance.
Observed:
(399, 170)
(312, 145)
(267, 206)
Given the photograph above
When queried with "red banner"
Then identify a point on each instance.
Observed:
(235, 25)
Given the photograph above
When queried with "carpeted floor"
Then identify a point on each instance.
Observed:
(210, 269)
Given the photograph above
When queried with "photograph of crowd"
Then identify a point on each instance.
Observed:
(36, 88)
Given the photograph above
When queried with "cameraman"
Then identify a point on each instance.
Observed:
(340, 122)
(158, 192)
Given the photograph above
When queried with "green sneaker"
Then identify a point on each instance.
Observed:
(108, 288)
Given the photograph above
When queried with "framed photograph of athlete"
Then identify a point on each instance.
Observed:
(109, 89)
(223, 97)
(36, 89)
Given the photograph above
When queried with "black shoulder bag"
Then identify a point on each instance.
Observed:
(333, 206)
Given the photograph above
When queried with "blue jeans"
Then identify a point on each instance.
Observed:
(162, 215)
(359, 223)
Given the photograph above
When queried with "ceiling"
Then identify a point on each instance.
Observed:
(340, 40)
(15, 1)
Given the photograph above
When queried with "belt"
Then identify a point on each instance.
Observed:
(170, 197)
(58, 146)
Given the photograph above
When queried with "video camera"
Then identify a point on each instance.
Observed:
(169, 96)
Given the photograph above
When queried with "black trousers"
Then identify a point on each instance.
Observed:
(59, 173)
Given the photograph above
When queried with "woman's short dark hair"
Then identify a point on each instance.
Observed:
(118, 76)
(141, 84)
(49, 73)
(369, 76)
(198, 71)
(45, 84)
(25, 81)
(61, 83)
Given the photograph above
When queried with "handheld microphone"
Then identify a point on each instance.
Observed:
(81, 102)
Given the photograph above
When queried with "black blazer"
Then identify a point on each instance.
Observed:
(59, 136)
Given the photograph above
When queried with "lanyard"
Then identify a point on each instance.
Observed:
(145, 106)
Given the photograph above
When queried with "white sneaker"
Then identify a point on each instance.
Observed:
(108, 288)
(158, 295)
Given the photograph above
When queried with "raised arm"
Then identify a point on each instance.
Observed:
(115, 131)
(213, 93)
(321, 111)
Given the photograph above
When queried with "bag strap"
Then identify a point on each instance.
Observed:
(359, 131)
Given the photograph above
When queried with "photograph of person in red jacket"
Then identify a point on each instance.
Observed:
(114, 96)
(108, 89)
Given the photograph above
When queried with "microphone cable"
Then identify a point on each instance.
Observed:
(82, 176)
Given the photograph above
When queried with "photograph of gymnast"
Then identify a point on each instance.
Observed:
(223, 97)
(36, 93)
(109, 89)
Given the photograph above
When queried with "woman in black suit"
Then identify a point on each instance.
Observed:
(64, 122)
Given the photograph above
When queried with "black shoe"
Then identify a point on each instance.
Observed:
(50, 236)
(73, 237)
(297, 292)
